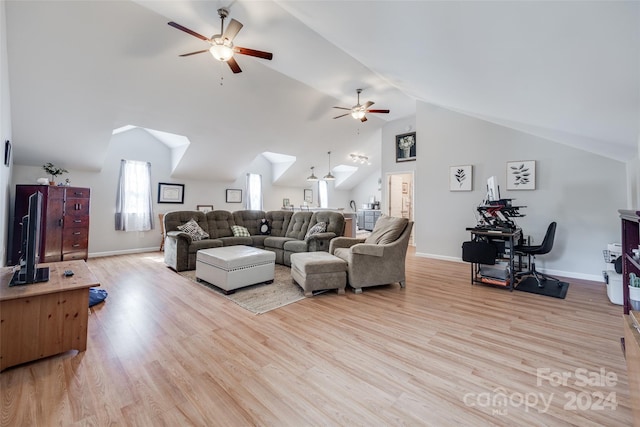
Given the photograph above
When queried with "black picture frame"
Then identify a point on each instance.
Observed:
(170, 193)
(234, 195)
(7, 152)
(406, 147)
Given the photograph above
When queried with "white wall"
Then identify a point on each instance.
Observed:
(5, 134)
(580, 191)
(137, 144)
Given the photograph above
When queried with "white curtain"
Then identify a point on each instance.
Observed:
(323, 196)
(134, 206)
(254, 191)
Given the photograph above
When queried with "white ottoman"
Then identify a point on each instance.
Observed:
(233, 267)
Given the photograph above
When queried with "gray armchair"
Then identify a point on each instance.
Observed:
(380, 258)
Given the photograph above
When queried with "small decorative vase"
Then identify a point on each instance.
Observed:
(52, 183)
(406, 152)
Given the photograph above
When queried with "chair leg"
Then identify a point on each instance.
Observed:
(402, 283)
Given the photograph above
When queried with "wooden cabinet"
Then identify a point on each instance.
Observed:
(65, 222)
(630, 240)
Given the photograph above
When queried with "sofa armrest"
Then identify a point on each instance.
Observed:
(343, 242)
(320, 241)
(180, 235)
(368, 249)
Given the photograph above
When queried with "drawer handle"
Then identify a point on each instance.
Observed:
(77, 233)
(77, 206)
(78, 193)
(77, 221)
(77, 245)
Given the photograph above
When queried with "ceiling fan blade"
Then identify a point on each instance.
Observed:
(194, 53)
(252, 52)
(234, 65)
(368, 104)
(232, 30)
(377, 111)
(337, 117)
(363, 119)
(343, 108)
(188, 31)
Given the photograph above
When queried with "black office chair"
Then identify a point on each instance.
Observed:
(533, 250)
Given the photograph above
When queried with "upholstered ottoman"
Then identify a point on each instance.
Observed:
(315, 271)
(234, 267)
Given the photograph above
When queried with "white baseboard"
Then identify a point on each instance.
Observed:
(569, 274)
(124, 252)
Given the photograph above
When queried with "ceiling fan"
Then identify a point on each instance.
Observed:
(222, 47)
(358, 111)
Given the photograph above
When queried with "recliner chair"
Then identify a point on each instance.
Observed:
(532, 250)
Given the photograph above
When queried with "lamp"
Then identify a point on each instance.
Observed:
(357, 112)
(359, 158)
(312, 177)
(328, 176)
(221, 49)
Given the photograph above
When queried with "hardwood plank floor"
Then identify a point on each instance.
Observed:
(163, 350)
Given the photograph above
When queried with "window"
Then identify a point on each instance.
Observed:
(134, 205)
(254, 191)
(323, 196)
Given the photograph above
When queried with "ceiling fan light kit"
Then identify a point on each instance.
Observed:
(359, 112)
(222, 48)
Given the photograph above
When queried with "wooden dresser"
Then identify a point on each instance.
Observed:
(65, 222)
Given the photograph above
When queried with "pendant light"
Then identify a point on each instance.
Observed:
(328, 176)
(312, 177)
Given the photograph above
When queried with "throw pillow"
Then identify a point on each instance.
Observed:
(320, 227)
(239, 231)
(264, 227)
(193, 229)
(387, 230)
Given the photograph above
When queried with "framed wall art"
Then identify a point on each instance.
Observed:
(170, 193)
(234, 195)
(7, 152)
(308, 195)
(521, 175)
(406, 147)
(460, 178)
(204, 208)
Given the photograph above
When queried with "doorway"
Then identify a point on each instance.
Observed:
(400, 197)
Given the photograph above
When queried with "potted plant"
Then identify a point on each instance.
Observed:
(634, 291)
(53, 171)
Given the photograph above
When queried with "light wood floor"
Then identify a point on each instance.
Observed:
(163, 350)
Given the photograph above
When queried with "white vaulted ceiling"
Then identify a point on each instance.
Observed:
(568, 71)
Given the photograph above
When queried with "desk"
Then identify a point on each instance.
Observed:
(512, 237)
(43, 319)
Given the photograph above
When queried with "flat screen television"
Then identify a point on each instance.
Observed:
(29, 271)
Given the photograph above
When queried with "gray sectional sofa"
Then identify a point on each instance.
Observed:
(288, 233)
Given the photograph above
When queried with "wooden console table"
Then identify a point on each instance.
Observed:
(43, 319)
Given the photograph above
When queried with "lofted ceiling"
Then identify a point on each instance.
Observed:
(567, 71)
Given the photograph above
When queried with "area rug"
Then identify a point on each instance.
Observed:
(551, 288)
(260, 298)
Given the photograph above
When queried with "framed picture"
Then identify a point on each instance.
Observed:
(406, 147)
(170, 193)
(521, 175)
(204, 208)
(460, 178)
(308, 195)
(234, 196)
(7, 152)
(285, 203)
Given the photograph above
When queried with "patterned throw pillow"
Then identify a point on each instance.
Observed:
(239, 231)
(320, 227)
(264, 227)
(193, 229)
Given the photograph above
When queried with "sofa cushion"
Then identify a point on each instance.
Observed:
(387, 230)
(204, 244)
(299, 225)
(320, 227)
(334, 220)
(276, 242)
(239, 231)
(295, 246)
(279, 221)
(193, 229)
(250, 219)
